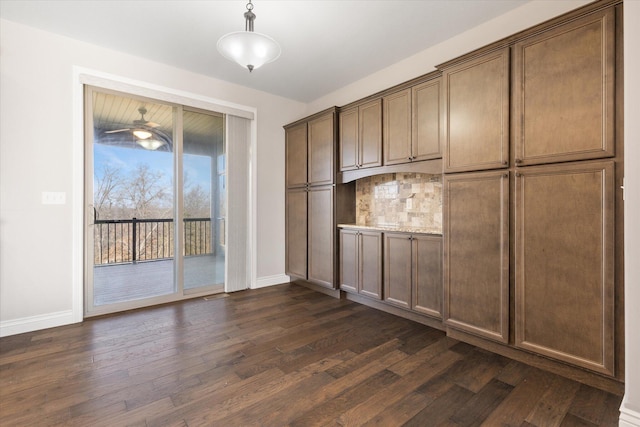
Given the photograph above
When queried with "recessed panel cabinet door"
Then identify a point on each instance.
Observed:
(476, 113)
(296, 155)
(349, 132)
(476, 253)
(321, 232)
(321, 150)
(370, 143)
(564, 247)
(370, 272)
(397, 269)
(564, 92)
(427, 275)
(296, 223)
(349, 260)
(397, 127)
(426, 121)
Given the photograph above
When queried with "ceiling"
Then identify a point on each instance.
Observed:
(326, 44)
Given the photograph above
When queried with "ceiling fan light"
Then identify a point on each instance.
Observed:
(150, 144)
(142, 134)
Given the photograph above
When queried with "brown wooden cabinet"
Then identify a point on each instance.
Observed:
(412, 124)
(321, 242)
(427, 288)
(361, 262)
(322, 150)
(397, 127)
(296, 155)
(413, 272)
(476, 253)
(476, 113)
(426, 99)
(398, 266)
(564, 93)
(296, 232)
(361, 136)
(564, 252)
(311, 199)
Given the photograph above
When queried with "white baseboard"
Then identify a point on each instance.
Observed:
(628, 417)
(276, 279)
(35, 323)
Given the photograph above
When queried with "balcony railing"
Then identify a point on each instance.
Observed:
(132, 240)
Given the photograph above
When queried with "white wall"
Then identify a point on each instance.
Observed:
(630, 410)
(36, 133)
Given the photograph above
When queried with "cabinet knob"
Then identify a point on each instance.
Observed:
(518, 161)
(505, 163)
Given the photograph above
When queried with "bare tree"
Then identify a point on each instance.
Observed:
(147, 193)
(107, 186)
(196, 202)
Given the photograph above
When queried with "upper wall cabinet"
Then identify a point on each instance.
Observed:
(310, 151)
(412, 124)
(361, 136)
(426, 120)
(564, 92)
(320, 161)
(296, 155)
(476, 113)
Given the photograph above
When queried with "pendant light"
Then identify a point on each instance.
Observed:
(248, 48)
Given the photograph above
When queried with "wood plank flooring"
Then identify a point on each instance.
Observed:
(283, 355)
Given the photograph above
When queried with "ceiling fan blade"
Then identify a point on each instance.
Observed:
(145, 123)
(116, 130)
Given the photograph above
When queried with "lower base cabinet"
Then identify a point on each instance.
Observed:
(413, 272)
(361, 262)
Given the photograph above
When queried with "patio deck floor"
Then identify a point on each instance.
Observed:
(127, 282)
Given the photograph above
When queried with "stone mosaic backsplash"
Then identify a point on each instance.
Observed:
(400, 200)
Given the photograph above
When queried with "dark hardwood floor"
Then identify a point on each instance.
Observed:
(282, 355)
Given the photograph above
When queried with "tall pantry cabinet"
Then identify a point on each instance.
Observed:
(312, 199)
(538, 195)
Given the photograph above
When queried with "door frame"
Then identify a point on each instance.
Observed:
(100, 80)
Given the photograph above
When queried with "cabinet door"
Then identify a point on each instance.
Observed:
(370, 271)
(321, 150)
(476, 113)
(296, 155)
(321, 232)
(296, 227)
(397, 269)
(426, 121)
(427, 275)
(476, 253)
(349, 260)
(349, 135)
(564, 92)
(397, 127)
(370, 142)
(564, 247)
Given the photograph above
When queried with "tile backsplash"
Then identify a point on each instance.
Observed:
(400, 200)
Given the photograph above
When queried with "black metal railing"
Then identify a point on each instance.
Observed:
(132, 240)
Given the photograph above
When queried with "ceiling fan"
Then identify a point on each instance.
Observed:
(141, 127)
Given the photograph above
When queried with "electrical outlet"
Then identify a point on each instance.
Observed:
(54, 197)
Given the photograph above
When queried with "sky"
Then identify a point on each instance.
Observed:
(196, 168)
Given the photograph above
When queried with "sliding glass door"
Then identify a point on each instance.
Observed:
(156, 202)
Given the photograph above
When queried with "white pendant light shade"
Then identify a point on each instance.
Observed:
(249, 49)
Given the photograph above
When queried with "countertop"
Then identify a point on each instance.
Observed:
(392, 229)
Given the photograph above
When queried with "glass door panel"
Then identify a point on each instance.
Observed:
(204, 200)
(133, 200)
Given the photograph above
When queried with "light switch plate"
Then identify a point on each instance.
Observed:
(54, 197)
